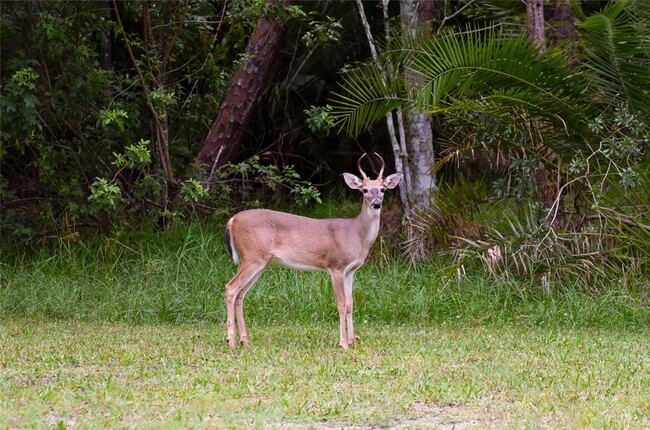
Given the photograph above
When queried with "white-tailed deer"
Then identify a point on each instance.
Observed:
(258, 238)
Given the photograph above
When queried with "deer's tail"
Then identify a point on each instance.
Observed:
(231, 245)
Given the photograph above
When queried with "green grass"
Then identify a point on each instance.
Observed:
(178, 276)
(129, 331)
(103, 375)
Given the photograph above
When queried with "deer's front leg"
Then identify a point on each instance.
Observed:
(339, 292)
(349, 306)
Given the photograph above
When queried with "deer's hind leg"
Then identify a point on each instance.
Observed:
(239, 308)
(236, 290)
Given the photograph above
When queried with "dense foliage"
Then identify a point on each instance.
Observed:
(543, 157)
(105, 105)
(568, 110)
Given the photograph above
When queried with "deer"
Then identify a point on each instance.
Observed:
(259, 238)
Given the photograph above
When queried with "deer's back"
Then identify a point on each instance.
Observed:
(292, 240)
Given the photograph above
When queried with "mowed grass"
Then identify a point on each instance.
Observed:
(106, 375)
(129, 332)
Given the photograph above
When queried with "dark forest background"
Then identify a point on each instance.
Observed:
(124, 115)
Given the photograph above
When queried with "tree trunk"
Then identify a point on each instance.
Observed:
(419, 134)
(397, 143)
(412, 139)
(222, 142)
(535, 22)
(547, 187)
(106, 40)
(159, 123)
(564, 31)
(562, 21)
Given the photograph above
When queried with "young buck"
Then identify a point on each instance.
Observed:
(258, 238)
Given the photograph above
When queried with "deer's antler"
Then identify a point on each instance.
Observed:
(363, 174)
(381, 171)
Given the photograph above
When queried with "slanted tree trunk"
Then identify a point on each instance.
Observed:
(222, 142)
(159, 125)
(397, 142)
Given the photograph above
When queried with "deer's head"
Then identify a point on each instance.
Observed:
(372, 189)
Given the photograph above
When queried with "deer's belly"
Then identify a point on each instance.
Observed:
(295, 264)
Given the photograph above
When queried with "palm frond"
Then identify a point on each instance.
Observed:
(369, 93)
(616, 51)
(432, 73)
(522, 114)
(491, 63)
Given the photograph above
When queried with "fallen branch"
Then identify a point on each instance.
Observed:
(626, 221)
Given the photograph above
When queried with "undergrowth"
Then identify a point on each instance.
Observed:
(178, 275)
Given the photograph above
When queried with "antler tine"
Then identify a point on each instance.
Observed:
(381, 171)
(363, 174)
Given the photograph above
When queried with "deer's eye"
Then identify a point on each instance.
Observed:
(383, 190)
(365, 191)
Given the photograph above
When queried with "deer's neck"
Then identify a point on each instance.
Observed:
(367, 224)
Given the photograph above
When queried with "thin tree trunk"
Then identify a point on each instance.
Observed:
(221, 144)
(564, 30)
(159, 123)
(160, 132)
(562, 21)
(412, 139)
(399, 151)
(547, 186)
(535, 22)
(106, 41)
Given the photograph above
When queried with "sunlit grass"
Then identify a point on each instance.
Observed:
(103, 375)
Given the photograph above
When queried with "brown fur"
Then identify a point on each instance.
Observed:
(340, 246)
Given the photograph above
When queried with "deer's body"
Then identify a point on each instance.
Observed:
(258, 238)
(272, 238)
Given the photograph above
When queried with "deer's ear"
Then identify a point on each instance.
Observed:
(352, 181)
(393, 180)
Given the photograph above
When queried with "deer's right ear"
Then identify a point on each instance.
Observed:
(352, 181)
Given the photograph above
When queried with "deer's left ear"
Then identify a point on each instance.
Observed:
(352, 181)
(392, 180)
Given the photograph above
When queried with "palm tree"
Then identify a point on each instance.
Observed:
(495, 77)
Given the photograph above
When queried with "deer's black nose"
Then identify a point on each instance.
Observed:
(376, 204)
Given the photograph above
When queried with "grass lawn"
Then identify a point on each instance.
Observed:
(458, 375)
(128, 332)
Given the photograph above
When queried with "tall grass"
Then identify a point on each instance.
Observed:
(178, 275)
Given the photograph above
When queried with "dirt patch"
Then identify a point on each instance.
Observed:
(422, 416)
(449, 416)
